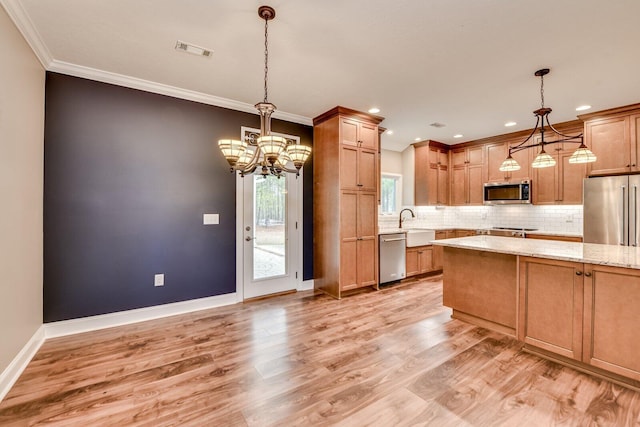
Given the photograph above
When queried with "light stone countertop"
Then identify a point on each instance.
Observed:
(590, 253)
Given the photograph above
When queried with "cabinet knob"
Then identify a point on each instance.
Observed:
(627, 166)
(578, 273)
(587, 274)
(634, 165)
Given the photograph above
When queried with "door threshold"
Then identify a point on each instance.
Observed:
(277, 294)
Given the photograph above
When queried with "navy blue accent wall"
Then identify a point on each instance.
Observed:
(128, 176)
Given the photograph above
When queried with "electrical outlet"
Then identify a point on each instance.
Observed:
(158, 280)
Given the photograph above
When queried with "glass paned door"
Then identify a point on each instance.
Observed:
(269, 235)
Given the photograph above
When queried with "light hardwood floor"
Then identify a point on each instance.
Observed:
(393, 357)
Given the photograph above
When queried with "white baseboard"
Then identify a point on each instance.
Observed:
(92, 323)
(10, 375)
(306, 285)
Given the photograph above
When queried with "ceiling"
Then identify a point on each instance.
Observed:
(468, 64)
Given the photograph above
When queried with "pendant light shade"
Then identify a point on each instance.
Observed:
(543, 160)
(232, 150)
(582, 155)
(298, 154)
(509, 165)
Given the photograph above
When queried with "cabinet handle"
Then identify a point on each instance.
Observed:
(587, 274)
(578, 273)
(360, 185)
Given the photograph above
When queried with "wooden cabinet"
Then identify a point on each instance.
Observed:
(464, 233)
(346, 176)
(561, 184)
(497, 153)
(613, 136)
(583, 312)
(551, 305)
(611, 322)
(467, 166)
(553, 237)
(419, 260)
(431, 186)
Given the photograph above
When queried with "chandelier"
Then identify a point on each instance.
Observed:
(269, 154)
(543, 159)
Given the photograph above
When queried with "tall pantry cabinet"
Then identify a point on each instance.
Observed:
(346, 173)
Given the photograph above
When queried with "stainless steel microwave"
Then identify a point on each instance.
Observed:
(507, 193)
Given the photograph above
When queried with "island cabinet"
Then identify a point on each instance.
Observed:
(481, 287)
(345, 178)
(613, 136)
(431, 186)
(582, 312)
(419, 260)
(467, 165)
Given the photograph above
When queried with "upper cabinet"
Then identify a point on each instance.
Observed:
(467, 165)
(613, 137)
(496, 153)
(359, 155)
(431, 185)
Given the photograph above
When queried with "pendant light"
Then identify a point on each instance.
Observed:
(545, 160)
(269, 154)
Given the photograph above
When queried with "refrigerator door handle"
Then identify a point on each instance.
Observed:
(635, 215)
(622, 239)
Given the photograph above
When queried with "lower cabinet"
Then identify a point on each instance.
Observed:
(584, 312)
(419, 260)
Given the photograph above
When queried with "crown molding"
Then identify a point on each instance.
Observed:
(162, 89)
(21, 19)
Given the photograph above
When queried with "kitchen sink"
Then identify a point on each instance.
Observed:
(420, 237)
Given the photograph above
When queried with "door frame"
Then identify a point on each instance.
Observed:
(295, 267)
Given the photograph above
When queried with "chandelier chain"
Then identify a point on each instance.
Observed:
(266, 58)
(542, 90)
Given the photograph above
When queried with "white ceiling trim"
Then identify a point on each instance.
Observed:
(21, 19)
(24, 24)
(162, 89)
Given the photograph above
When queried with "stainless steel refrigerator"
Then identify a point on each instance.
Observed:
(611, 210)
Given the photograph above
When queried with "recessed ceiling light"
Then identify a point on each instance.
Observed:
(417, 139)
(509, 124)
(193, 49)
(374, 110)
(583, 107)
(389, 132)
(458, 135)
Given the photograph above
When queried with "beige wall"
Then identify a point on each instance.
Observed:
(391, 162)
(22, 79)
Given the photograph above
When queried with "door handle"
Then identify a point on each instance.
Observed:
(635, 215)
(248, 238)
(622, 242)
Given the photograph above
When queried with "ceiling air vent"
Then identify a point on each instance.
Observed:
(193, 49)
(437, 125)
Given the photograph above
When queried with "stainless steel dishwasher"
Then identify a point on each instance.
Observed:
(392, 260)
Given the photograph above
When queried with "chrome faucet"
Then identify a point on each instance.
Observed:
(405, 209)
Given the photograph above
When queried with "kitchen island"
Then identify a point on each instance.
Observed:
(575, 303)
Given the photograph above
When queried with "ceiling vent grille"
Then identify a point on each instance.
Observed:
(437, 125)
(193, 49)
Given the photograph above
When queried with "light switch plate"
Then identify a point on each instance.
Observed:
(210, 219)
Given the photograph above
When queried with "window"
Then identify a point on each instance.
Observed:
(390, 198)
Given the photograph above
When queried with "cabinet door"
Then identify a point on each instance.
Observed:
(545, 182)
(475, 155)
(611, 321)
(570, 178)
(412, 262)
(524, 160)
(609, 139)
(348, 239)
(367, 215)
(425, 259)
(349, 167)
(458, 185)
(368, 136)
(442, 197)
(348, 266)
(635, 140)
(551, 306)
(475, 183)
(458, 157)
(437, 253)
(367, 170)
(367, 273)
(432, 184)
(349, 132)
(496, 153)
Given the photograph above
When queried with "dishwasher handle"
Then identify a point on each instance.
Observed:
(397, 239)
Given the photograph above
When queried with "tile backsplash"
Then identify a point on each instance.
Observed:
(551, 219)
